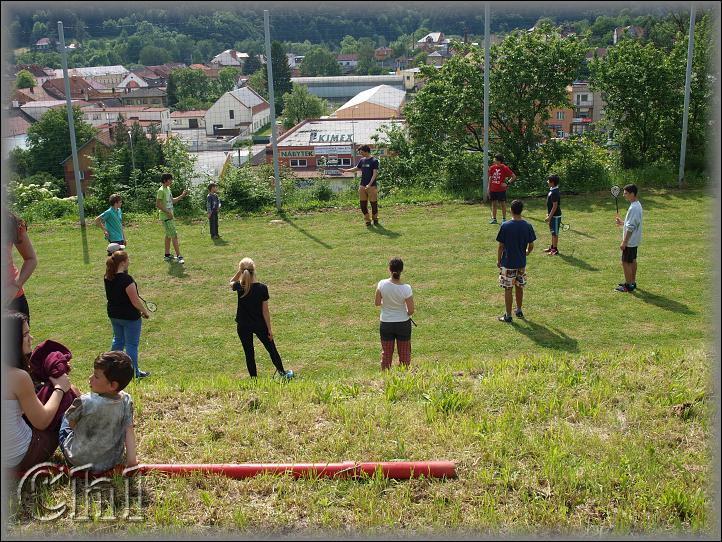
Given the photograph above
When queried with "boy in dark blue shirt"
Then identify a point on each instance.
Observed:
(368, 189)
(554, 213)
(213, 205)
(516, 241)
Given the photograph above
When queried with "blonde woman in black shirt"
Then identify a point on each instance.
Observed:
(253, 317)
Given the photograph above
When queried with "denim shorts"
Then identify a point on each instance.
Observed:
(554, 224)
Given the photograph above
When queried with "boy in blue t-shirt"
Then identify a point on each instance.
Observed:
(111, 221)
(213, 205)
(516, 241)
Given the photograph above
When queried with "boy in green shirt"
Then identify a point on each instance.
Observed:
(164, 201)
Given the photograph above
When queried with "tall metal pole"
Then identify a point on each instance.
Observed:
(687, 84)
(486, 101)
(71, 124)
(272, 100)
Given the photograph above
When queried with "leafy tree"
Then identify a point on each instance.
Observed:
(25, 79)
(366, 50)
(300, 105)
(191, 88)
(639, 90)
(151, 55)
(49, 139)
(227, 78)
(257, 82)
(530, 72)
(320, 62)
(349, 45)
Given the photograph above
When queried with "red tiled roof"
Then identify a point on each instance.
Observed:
(17, 125)
(347, 57)
(79, 88)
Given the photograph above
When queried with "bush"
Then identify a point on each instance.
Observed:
(48, 209)
(464, 174)
(23, 195)
(322, 190)
(245, 191)
(583, 166)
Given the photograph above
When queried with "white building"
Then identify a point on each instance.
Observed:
(229, 57)
(131, 78)
(380, 102)
(238, 112)
(110, 76)
(188, 120)
(97, 116)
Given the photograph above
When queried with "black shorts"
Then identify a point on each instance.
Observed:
(629, 254)
(401, 331)
(497, 196)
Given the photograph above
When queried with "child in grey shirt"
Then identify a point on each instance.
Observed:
(98, 427)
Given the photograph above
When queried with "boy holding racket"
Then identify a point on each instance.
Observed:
(164, 202)
(631, 239)
(554, 213)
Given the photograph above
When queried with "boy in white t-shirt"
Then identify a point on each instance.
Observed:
(397, 305)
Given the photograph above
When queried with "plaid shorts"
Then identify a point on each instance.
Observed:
(508, 278)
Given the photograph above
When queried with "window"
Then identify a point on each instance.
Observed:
(585, 97)
(295, 162)
(560, 115)
(230, 113)
(344, 161)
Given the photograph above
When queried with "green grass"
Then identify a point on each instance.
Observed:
(592, 415)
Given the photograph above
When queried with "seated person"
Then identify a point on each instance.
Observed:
(98, 426)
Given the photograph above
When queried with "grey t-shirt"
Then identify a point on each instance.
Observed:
(633, 223)
(99, 433)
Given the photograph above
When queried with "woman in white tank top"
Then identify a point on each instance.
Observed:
(27, 446)
(397, 305)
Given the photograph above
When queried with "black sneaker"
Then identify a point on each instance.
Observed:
(368, 224)
(623, 288)
(142, 374)
(376, 221)
(631, 287)
(518, 313)
(505, 318)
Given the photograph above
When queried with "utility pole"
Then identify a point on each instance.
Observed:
(486, 102)
(272, 100)
(687, 84)
(71, 124)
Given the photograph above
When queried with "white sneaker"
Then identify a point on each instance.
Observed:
(180, 259)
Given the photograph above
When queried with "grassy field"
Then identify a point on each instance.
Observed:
(591, 415)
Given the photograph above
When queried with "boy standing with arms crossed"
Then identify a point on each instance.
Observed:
(164, 201)
(631, 239)
(498, 173)
(516, 241)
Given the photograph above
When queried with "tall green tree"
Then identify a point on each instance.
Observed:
(252, 64)
(281, 75)
(349, 45)
(366, 50)
(639, 89)
(191, 89)
(25, 79)
(49, 139)
(319, 61)
(300, 105)
(257, 82)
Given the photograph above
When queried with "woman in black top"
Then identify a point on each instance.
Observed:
(253, 316)
(124, 307)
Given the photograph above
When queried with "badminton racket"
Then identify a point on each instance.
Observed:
(152, 307)
(615, 194)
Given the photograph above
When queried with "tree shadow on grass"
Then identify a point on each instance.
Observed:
(576, 262)
(379, 229)
(662, 302)
(545, 336)
(312, 237)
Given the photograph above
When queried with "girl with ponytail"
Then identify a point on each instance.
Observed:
(254, 317)
(125, 308)
(397, 305)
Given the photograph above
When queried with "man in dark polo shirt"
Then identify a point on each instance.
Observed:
(516, 241)
(368, 189)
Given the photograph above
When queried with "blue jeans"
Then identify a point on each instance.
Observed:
(64, 431)
(126, 336)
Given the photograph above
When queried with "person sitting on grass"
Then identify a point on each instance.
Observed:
(516, 241)
(98, 426)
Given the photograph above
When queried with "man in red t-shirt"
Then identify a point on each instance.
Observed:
(499, 172)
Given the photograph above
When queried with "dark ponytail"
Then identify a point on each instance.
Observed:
(396, 265)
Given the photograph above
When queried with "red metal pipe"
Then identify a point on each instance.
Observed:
(398, 470)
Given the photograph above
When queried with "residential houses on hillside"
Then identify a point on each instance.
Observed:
(237, 112)
(86, 151)
(102, 116)
(149, 97)
(109, 76)
(229, 57)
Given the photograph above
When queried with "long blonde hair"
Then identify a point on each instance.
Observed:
(113, 262)
(247, 269)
